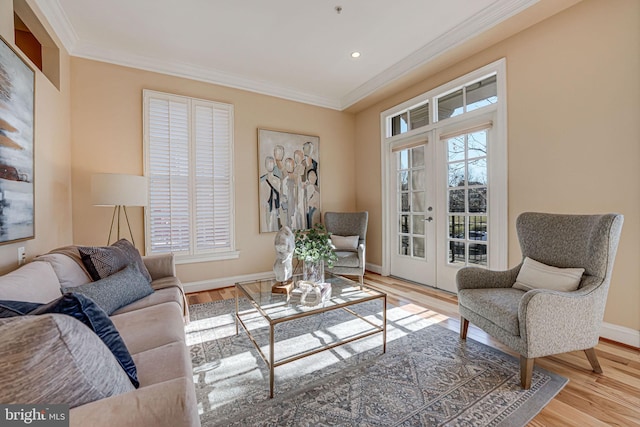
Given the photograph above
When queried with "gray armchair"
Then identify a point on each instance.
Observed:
(350, 263)
(543, 322)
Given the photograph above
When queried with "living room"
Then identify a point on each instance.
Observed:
(572, 140)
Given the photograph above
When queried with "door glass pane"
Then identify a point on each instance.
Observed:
(478, 200)
(456, 227)
(477, 254)
(456, 174)
(478, 144)
(417, 179)
(418, 247)
(456, 148)
(418, 201)
(417, 157)
(478, 227)
(450, 105)
(482, 93)
(456, 252)
(403, 181)
(403, 248)
(404, 202)
(418, 224)
(419, 116)
(404, 223)
(456, 201)
(403, 159)
(478, 172)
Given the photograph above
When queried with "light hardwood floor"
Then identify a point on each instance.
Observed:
(589, 399)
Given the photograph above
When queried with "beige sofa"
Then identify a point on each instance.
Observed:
(152, 329)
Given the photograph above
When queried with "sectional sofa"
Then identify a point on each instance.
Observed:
(151, 327)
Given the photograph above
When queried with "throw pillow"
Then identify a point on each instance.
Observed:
(536, 275)
(88, 312)
(55, 359)
(344, 243)
(117, 290)
(69, 272)
(102, 261)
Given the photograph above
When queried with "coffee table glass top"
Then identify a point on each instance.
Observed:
(277, 306)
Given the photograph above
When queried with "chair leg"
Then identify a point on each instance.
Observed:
(361, 282)
(526, 371)
(464, 326)
(593, 359)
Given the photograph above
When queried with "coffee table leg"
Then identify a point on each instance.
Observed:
(237, 311)
(271, 360)
(384, 324)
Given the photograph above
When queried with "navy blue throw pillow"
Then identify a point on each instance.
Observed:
(89, 313)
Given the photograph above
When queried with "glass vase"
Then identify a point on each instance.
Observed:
(313, 271)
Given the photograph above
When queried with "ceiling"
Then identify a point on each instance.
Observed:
(293, 49)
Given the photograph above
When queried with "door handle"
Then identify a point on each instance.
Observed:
(429, 219)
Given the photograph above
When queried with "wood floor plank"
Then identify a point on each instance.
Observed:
(589, 399)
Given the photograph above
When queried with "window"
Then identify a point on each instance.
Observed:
(468, 98)
(189, 164)
(413, 118)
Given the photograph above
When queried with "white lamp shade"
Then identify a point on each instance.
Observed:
(112, 189)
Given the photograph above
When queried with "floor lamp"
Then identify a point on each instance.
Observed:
(119, 191)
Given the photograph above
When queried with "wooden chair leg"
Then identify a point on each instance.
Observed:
(526, 372)
(464, 326)
(361, 282)
(593, 359)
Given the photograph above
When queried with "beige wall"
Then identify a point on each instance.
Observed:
(107, 137)
(573, 130)
(52, 157)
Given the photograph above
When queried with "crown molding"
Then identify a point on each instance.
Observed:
(60, 23)
(477, 24)
(189, 71)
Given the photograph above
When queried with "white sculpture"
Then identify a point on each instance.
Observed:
(284, 244)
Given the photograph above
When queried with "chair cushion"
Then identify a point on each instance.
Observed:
(345, 243)
(347, 259)
(59, 361)
(498, 305)
(117, 290)
(536, 275)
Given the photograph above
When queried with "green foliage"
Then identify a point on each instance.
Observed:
(313, 245)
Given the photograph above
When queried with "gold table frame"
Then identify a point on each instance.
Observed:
(270, 362)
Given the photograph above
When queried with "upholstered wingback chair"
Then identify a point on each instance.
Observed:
(542, 322)
(351, 261)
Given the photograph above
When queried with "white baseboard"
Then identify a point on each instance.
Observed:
(620, 334)
(609, 331)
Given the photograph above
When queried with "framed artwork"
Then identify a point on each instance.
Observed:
(17, 82)
(289, 180)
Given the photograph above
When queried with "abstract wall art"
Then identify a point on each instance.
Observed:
(17, 82)
(288, 167)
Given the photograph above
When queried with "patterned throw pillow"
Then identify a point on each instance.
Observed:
(88, 312)
(55, 359)
(102, 261)
(117, 290)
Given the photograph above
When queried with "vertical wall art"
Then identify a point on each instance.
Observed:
(16, 146)
(289, 180)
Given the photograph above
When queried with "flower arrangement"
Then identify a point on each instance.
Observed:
(314, 244)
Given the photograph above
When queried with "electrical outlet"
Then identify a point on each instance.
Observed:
(22, 255)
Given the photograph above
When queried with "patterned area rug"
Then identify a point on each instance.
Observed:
(427, 377)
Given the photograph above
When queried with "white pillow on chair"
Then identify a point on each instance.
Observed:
(344, 243)
(536, 275)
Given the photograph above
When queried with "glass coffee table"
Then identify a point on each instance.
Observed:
(277, 308)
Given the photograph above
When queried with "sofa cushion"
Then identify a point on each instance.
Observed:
(86, 311)
(33, 282)
(498, 305)
(163, 363)
(68, 271)
(103, 261)
(59, 361)
(536, 275)
(116, 290)
(150, 327)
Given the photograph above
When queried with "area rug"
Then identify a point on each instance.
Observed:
(427, 377)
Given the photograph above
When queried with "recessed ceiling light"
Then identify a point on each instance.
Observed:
(355, 54)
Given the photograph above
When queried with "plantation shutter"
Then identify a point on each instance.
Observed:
(189, 166)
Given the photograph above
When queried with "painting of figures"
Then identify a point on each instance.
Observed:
(16, 147)
(289, 180)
